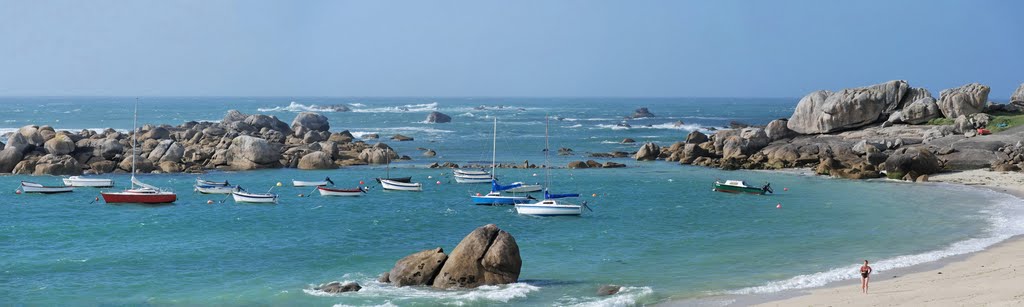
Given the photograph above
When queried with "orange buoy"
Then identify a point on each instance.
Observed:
(97, 198)
(778, 206)
(593, 195)
(361, 182)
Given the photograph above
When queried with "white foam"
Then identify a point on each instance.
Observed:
(483, 294)
(1002, 216)
(627, 296)
(364, 131)
(422, 107)
(298, 107)
(589, 119)
(357, 105)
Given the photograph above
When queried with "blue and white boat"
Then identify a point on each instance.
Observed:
(242, 196)
(213, 187)
(494, 197)
(552, 205)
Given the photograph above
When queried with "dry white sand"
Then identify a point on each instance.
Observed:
(993, 277)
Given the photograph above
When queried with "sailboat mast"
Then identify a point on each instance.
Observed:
(494, 147)
(135, 138)
(547, 152)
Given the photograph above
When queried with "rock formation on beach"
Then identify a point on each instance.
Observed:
(486, 256)
(865, 132)
(238, 142)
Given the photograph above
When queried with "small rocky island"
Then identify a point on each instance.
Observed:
(889, 129)
(238, 142)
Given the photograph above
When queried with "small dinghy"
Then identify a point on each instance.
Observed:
(213, 187)
(32, 187)
(325, 191)
(300, 183)
(524, 188)
(392, 185)
(740, 186)
(242, 196)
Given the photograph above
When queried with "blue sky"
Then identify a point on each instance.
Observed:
(504, 48)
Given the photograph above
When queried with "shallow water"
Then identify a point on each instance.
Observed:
(657, 227)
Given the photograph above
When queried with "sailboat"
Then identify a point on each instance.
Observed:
(494, 197)
(397, 184)
(139, 192)
(552, 204)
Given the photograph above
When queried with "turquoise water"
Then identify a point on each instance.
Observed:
(656, 227)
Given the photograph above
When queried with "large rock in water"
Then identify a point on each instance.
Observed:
(487, 256)
(825, 111)
(57, 165)
(920, 111)
(438, 117)
(9, 157)
(309, 121)
(964, 100)
(142, 165)
(649, 151)
(59, 145)
(316, 160)
(32, 135)
(248, 153)
(642, 113)
(1018, 96)
(418, 269)
(696, 137)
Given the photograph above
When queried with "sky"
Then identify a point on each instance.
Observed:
(530, 48)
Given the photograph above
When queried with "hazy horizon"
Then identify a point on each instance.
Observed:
(586, 49)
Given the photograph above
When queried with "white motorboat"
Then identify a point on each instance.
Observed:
(242, 196)
(200, 181)
(550, 207)
(473, 178)
(79, 181)
(300, 183)
(470, 173)
(325, 191)
(400, 186)
(32, 187)
(524, 188)
(214, 189)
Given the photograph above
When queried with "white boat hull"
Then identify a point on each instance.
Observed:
(214, 189)
(400, 186)
(76, 181)
(481, 179)
(336, 192)
(298, 183)
(525, 188)
(460, 172)
(549, 208)
(37, 188)
(254, 198)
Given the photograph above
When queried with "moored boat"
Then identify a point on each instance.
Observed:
(139, 192)
(552, 205)
(325, 191)
(214, 189)
(494, 197)
(200, 181)
(32, 187)
(524, 188)
(401, 186)
(473, 178)
(396, 179)
(79, 181)
(739, 186)
(300, 183)
(242, 196)
(470, 173)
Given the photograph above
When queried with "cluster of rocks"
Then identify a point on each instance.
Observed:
(594, 164)
(238, 142)
(864, 132)
(486, 256)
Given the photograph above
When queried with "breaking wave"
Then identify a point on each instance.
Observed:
(422, 107)
(298, 107)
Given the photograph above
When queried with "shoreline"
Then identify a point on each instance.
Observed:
(980, 277)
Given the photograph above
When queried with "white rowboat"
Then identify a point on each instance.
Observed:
(78, 181)
(214, 189)
(300, 183)
(400, 186)
(241, 196)
(32, 187)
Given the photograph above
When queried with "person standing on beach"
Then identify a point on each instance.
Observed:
(865, 275)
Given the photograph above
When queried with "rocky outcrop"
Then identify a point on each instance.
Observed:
(247, 153)
(642, 113)
(914, 162)
(418, 269)
(487, 256)
(825, 111)
(1017, 98)
(378, 154)
(401, 138)
(776, 130)
(316, 160)
(740, 142)
(920, 111)
(59, 145)
(696, 137)
(335, 287)
(647, 152)
(57, 165)
(438, 117)
(964, 100)
(309, 121)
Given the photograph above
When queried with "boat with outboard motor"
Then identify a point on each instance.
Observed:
(740, 186)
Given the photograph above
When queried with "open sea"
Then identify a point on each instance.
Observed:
(656, 227)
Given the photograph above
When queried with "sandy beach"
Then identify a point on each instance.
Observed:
(992, 277)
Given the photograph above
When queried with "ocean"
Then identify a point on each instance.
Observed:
(656, 227)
